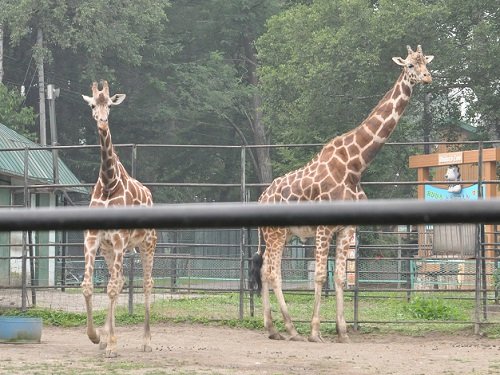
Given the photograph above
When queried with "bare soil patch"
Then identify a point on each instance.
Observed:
(199, 349)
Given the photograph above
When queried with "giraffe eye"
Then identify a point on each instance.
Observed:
(410, 66)
(92, 106)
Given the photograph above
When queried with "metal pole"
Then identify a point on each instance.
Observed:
(24, 294)
(479, 245)
(32, 268)
(477, 292)
(242, 234)
(356, 283)
(483, 237)
(131, 284)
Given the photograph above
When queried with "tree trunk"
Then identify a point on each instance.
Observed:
(262, 154)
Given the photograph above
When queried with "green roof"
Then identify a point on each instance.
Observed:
(39, 163)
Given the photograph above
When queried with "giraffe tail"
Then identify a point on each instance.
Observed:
(256, 266)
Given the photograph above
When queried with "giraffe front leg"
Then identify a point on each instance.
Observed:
(115, 285)
(108, 336)
(109, 258)
(90, 250)
(343, 243)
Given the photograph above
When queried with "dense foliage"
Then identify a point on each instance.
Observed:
(249, 72)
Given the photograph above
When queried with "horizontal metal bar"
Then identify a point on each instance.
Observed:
(234, 215)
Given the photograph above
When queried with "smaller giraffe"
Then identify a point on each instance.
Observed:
(333, 174)
(115, 187)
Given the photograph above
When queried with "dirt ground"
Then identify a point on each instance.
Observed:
(198, 349)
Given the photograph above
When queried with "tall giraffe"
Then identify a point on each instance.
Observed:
(115, 187)
(333, 174)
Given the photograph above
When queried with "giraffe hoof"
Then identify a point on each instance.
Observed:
(110, 354)
(147, 348)
(297, 337)
(344, 339)
(316, 338)
(276, 336)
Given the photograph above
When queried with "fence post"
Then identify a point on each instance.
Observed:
(242, 233)
(483, 237)
(131, 284)
(480, 265)
(477, 307)
(24, 294)
(356, 282)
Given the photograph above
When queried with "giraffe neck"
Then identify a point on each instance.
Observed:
(374, 131)
(109, 174)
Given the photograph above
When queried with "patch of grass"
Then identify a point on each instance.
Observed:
(50, 317)
(386, 312)
(432, 309)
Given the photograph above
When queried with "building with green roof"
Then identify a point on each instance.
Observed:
(27, 179)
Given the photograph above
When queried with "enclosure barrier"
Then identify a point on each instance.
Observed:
(239, 215)
(234, 215)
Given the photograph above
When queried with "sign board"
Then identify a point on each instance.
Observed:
(433, 193)
(449, 158)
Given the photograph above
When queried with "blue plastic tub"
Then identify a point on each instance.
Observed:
(17, 329)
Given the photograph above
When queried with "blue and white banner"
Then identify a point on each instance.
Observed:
(435, 193)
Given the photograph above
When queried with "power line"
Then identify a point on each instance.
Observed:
(29, 88)
(27, 70)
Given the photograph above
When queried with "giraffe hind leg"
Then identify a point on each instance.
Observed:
(147, 258)
(343, 242)
(268, 319)
(274, 278)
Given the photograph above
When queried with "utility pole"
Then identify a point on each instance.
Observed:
(1, 53)
(41, 88)
(427, 122)
(52, 94)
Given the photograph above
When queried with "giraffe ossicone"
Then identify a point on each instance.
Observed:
(333, 174)
(115, 187)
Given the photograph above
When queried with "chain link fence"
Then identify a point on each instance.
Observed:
(45, 269)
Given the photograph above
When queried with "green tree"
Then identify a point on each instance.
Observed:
(325, 64)
(14, 115)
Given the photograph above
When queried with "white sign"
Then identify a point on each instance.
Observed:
(450, 158)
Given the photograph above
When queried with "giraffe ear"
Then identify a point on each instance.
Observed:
(399, 61)
(88, 99)
(117, 99)
(429, 58)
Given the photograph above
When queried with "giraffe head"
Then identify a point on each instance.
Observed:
(415, 65)
(100, 102)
